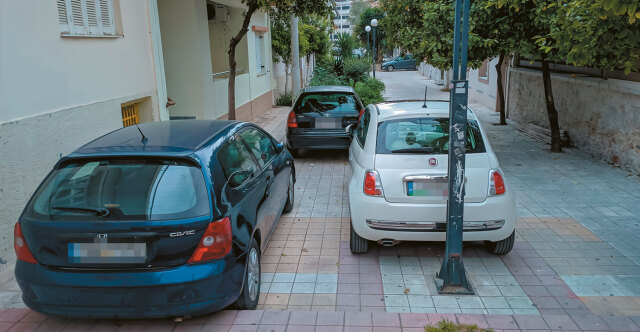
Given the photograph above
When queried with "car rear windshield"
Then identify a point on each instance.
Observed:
(328, 103)
(423, 135)
(121, 190)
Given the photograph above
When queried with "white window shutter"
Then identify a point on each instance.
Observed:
(63, 18)
(93, 25)
(106, 16)
(78, 21)
(259, 53)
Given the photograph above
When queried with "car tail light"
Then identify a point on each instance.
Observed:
(372, 183)
(361, 113)
(215, 243)
(21, 247)
(496, 183)
(291, 120)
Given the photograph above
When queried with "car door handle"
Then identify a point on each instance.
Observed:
(267, 191)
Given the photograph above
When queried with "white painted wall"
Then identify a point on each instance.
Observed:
(57, 93)
(484, 92)
(187, 57)
(42, 72)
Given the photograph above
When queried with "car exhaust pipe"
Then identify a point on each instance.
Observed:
(388, 242)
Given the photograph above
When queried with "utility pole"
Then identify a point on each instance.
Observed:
(452, 278)
(295, 58)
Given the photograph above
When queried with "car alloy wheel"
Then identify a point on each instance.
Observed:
(253, 274)
(390, 68)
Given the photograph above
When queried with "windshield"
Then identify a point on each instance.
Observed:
(423, 135)
(328, 103)
(121, 190)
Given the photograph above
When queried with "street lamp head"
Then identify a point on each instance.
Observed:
(367, 28)
(374, 23)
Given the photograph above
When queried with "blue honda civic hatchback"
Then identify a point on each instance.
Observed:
(168, 219)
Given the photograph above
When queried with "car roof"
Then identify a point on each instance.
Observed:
(175, 136)
(411, 109)
(328, 88)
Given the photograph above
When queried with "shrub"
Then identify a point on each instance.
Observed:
(357, 69)
(370, 91)
(449, 326)
(325, 75)
(284, 99)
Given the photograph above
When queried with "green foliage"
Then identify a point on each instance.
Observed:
(284, 99)
(323, 74)
(449, 326)
(344, 45)
(357, 69)
(357, 8)
(370, 91)
(313, 35)
(365, 19)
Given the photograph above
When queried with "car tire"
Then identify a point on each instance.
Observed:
(501, 247)
(288, 206)
(358, 244)
(295, 152)
(250, 295)
(390, 68)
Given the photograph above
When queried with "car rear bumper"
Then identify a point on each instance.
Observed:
(179, 291)
(318, 139)
(374, 218)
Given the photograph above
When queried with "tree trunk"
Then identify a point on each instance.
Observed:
(252, 6)
(503, 118)
(232, 84)
(556, 145)
(286, 78)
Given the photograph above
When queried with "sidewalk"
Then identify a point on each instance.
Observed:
(574, 266)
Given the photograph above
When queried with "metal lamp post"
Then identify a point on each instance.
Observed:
(374, 24)
(368, 29)
(452, 278)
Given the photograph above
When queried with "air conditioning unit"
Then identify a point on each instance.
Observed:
(217, 12)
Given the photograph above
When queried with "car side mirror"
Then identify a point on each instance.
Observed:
(350, 129)
(279, 147)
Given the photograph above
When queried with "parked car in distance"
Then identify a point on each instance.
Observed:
(399, 187)
(171, 223)
(400, 62)
(319, 116)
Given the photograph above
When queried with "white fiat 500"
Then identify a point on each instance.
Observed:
(399, 191)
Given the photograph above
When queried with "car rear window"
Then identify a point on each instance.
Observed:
(328, 103)
(121, 190)
(423, 135)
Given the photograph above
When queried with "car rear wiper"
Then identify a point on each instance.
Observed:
(424, 149)
(98, 211)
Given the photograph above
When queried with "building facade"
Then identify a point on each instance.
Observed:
(341, 21)
(73, 70)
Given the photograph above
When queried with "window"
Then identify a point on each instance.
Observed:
(423, 135)
(345, 17)
(260, 55)
(363, 127)
(260, 144)
(345, 26)
(130, 114)
(131, 189)
(483, 72)
(237, 162)
(345, 7)
(331, 103)
(86, 17)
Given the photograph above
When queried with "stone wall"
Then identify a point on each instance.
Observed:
(601, 116)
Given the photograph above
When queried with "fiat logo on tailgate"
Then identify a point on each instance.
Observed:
(433, 162)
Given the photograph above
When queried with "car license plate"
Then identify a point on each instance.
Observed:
(431, 188)
(109, 253)
(328, 123)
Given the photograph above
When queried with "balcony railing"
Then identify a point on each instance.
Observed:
(225, 74)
